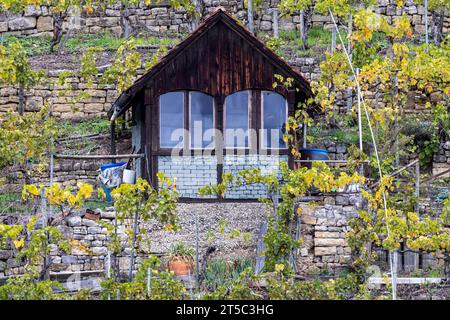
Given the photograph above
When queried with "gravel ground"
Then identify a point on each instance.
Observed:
(246, 217)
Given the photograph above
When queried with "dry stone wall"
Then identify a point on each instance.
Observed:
(441, 160)
(323, 232)
(160, 18)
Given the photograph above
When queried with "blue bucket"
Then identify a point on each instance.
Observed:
(105, 188)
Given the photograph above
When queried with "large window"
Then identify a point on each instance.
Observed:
(236, 122)
(201, 120)
(274, 117)
(171, 111)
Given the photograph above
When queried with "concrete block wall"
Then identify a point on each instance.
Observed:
(235, 163)
(197, 171)
(191, 172)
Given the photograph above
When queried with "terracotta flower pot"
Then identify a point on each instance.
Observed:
(180, 267)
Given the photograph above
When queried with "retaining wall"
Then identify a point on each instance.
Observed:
(160, 18)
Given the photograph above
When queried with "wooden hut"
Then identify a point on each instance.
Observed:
(209, 107)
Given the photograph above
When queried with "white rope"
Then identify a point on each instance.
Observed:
(371, 134)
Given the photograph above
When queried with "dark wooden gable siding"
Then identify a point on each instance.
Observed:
(219, 63)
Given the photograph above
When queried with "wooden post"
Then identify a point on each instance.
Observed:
(113, 139)
(303, 29)
(276, 32)
(251, 23)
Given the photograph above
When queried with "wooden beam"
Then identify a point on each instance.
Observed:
(378, 280)
(99, 157)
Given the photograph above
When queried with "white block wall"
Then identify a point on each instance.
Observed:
(191, 172)
(235, 163)
(198, 171)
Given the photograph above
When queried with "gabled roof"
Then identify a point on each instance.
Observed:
(124, 100)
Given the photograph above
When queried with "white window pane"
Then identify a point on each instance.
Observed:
(236, 120)
(274, 120)
(171, 111)
(202, 120)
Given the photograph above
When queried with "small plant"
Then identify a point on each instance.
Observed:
(221, 272)
(181, 259)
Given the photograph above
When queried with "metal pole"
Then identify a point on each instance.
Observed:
(52, 172)
(304, 134)
(361, 148)
(197, 263)
(426, 23)
(333, 40)
(113, 139)
(108, 270)
(149, 279)
(417, 185)
(394, 259)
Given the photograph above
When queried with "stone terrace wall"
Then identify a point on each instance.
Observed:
(62, 100)
(323, 231)
(92, 250)
(441, 160)
(160, 18)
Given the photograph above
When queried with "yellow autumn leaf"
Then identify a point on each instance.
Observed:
(19, 243)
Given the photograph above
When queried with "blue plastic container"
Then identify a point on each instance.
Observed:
(313, 154)
(105, 188)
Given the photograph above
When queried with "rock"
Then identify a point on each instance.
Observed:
(12, 263)
(3, 26)
(65, 230)
(80, 230)
(45, 24)
(321, 242)
(124, 263)
(306, 219)
(108, 215)
(342, 200)
(319, 18)
(94, 230)
(34, 103)
(101, 251)
(2, 266)
(97, 243)
(58, 267)
(5, 254)
(324, 251)
(326, 234)
(304, 252)
(447, 145)
(22, 23)
(33, 11)
(73, 221)
(341, 149)
(69, 259)
(266, 26)
(88, 223)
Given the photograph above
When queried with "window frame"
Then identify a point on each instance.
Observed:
(161, 147)
(249, 121)
(188, 122)
(263, 134)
